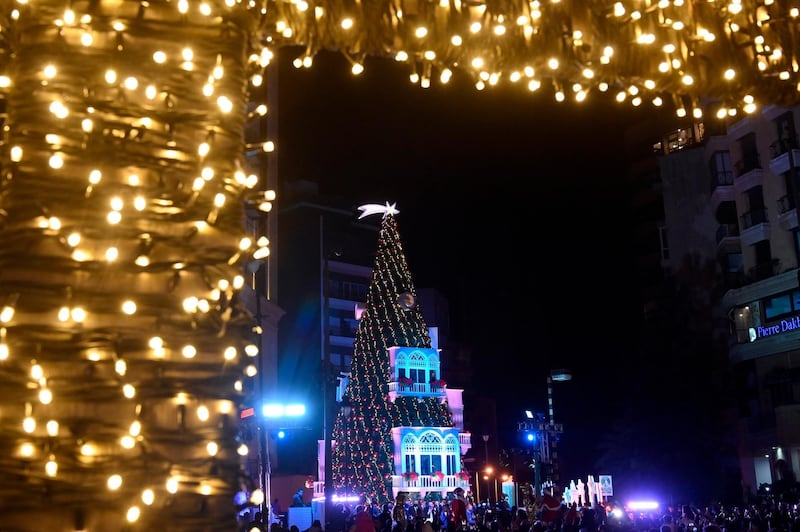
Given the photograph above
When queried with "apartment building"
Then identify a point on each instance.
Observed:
(746, 221)
(765, 336)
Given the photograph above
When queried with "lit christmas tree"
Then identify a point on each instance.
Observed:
(363, 460)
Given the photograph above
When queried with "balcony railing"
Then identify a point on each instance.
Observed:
(787, 214)
(722, 178)
(756, 216)
(785, 156)
(763, 270)
(416, 388)
(782, 146)
(429, 483)
(748, 162)
(785, 204)
(727, 231)
(424, 483)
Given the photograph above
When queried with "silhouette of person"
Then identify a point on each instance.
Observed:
(297, 499)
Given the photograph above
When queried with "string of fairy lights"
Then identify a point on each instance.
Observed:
(697, 56)
(127, 346)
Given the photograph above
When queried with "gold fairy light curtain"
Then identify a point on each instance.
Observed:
(125, 348)
(725, 56)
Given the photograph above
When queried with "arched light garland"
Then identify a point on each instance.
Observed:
(726, 55)
(126, 344)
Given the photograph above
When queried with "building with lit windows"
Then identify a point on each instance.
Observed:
(732, 196)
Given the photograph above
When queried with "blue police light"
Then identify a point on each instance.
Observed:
(530, 436)
(281, 434)
(273, 410)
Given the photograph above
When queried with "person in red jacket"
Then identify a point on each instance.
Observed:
(552, 509)
(363, 521)
(458, 508)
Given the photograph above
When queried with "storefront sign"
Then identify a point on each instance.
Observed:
(789, 324)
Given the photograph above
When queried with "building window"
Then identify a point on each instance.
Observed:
(354, 291)
(764, 266)
(418, 367)
(451, 464)
(721, 169)
(430, 463)
(777, 306)
(750, 160)
(430, 453)
(787, 137)
(662, 236)
(417, 375)
(348, 290)
(745, 320)
(796, 234)
(734, 263)
(781, 305)
(341, 359)
(452, 451)
(410, 463)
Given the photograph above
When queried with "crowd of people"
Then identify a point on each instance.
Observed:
(458, 513)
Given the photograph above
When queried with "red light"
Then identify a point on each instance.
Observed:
(247, 412)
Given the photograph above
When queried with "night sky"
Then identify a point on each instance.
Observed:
(513, 206)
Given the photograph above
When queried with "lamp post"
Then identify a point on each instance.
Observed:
(265, 472)
(487, 475)
(254, 267)
(542, 433)
(328, 377)
(556, 375)
(345, 408)
(486, 449)
(534, 435)
(272, 415)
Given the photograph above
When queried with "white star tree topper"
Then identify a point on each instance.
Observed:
(374, 208)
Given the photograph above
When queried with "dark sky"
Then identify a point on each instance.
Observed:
(513, 206)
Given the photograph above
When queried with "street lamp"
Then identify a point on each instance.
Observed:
(542, 433)
(535, 434)
(329, 379)
(486, 449)
(487, 474)
(345, 408)
(272, 415)
(556, 375)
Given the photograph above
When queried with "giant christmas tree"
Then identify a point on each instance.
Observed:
(362, 458)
